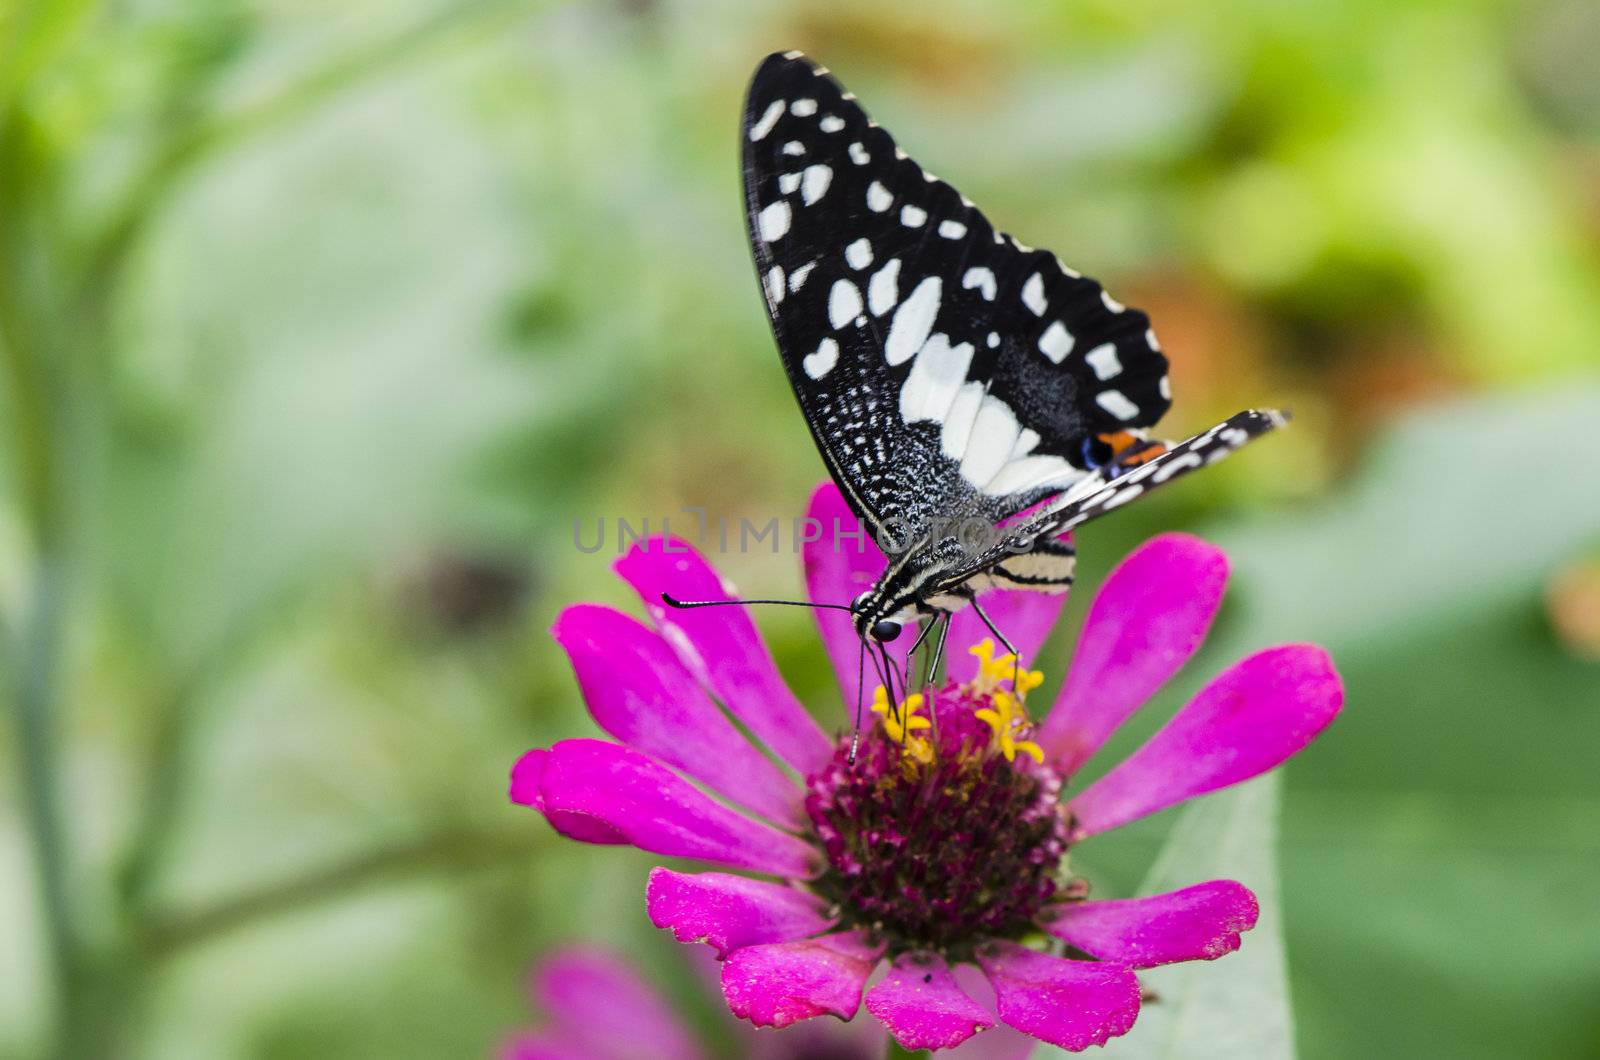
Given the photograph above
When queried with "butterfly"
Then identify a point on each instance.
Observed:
(973, 398)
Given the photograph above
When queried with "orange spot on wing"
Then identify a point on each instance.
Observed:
(1129, 450)
(1145, 455)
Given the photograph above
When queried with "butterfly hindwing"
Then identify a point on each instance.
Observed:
(944, 368)
(1098, 495)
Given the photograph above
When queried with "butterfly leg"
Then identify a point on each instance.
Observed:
(922, 635)
(1016, 660)
(861, 689)
(1001, 637)
(937, 656)
(933, 663)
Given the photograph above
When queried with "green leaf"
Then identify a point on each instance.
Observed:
(1238, 1005)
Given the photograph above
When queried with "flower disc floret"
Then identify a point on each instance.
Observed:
(938, 836)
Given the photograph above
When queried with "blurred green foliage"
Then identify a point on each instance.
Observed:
(321, 327)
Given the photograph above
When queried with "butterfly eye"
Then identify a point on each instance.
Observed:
(1096, 453)
(885, 630)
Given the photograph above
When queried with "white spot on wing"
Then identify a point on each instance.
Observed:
(1024, 444)
(769, 118)
(912, 322)
(994, 432)
(1126, 494)
(994, 339)
(831, 123)
(814, 184)
(878, 197)
(883, 289)
(859, 253)
(773, 221)
(819, 364)
(952, 229)
(912, 216)
(958, 421)
(858, 155)
(1111, 303)
(774, 284)
(794, 147)
(788, 182)
(1033, 295)
(1150, 337)
(1175, 465)
(803, 108)
(981, 278)
(1116, 403)
(844, 303)
(1056, 342)
(1103, 359)
(936, 376)
(1165, 386)
(797, 278)
(1030, 472)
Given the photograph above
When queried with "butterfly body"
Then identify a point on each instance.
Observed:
(973, 397)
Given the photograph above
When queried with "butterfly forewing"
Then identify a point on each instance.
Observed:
(945, 369)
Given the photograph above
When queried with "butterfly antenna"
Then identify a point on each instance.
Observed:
(885, 671)
(890, 673)
(861, 688)
(684, 605)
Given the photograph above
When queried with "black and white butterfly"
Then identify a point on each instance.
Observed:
(953, 378)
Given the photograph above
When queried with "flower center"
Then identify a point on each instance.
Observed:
(946, 830)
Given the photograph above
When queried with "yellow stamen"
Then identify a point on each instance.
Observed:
(994, 672)
(1008, 720)
(902, 723)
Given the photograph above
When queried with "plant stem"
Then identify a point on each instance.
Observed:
(447, 849)
(895, 1051)
(37, 415)
(38, 749)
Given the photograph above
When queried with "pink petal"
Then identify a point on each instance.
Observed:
(639, 692)
(596, 1000)
(593, 783)
(730, 912)
(923, 1007)
(1148, 618)
(1026, 619)
(526, 777)
(530, 1045)
(1199, 923)
(841, 564)
(1070, 1004)
(1250, 718)
(997, 1043)
(778, 983)
(721, 647)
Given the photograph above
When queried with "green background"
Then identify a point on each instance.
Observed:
(322, 324)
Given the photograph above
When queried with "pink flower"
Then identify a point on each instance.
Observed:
(596, 1007)
(943, 849)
